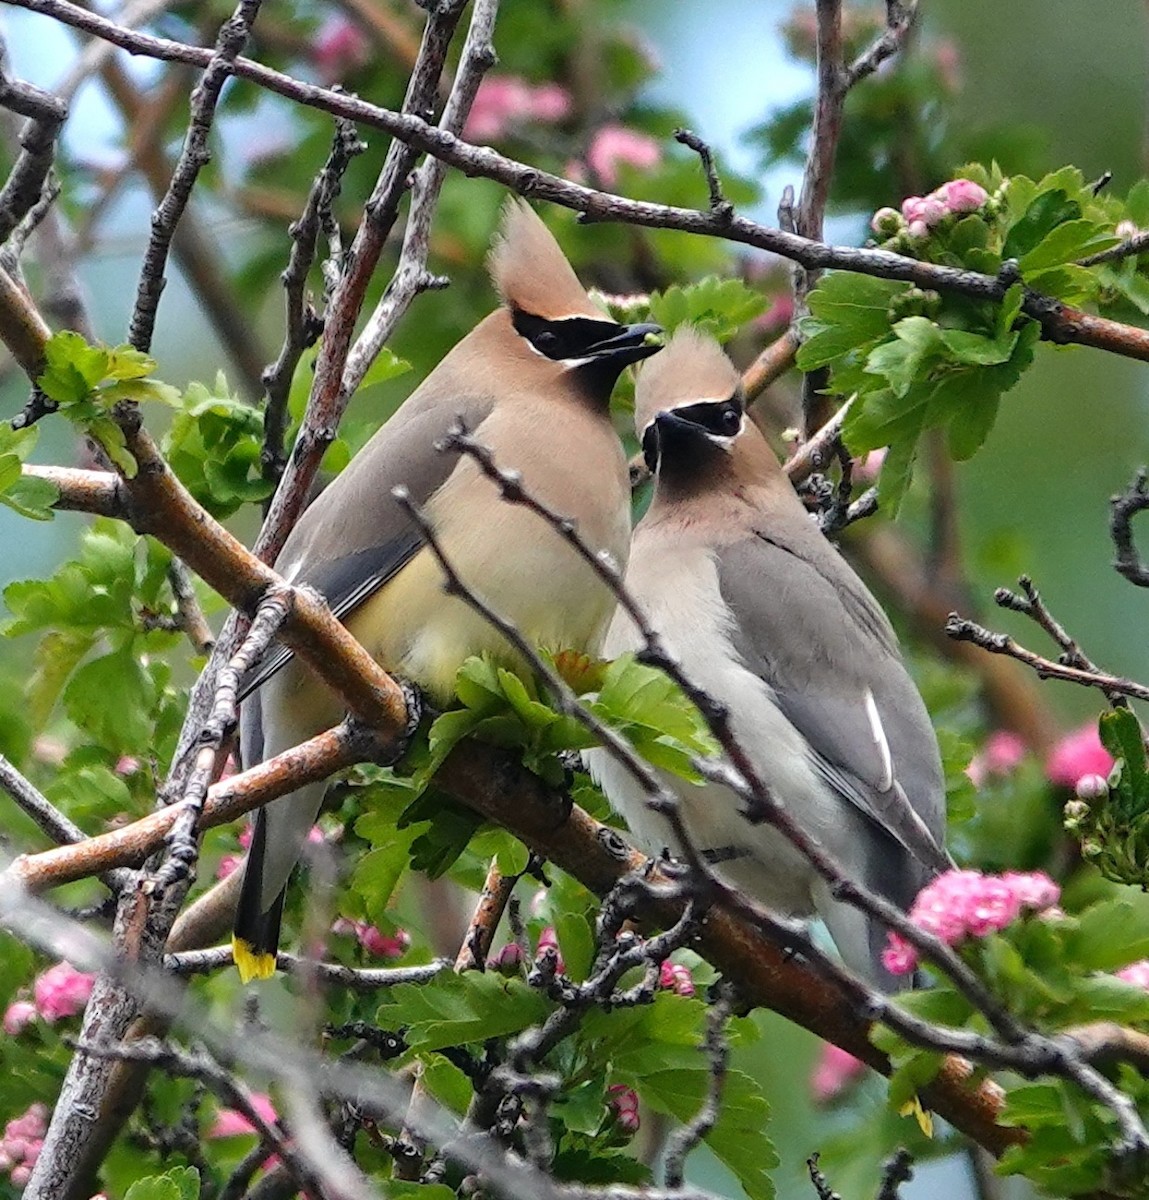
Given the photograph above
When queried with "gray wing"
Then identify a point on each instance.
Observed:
(806, 624)
(354, 536)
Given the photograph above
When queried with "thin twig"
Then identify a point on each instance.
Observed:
(303, 325)
(193, 158)
(717, 1053)
(49, 818)
(963, 630)
(359, 979)
(1123, 509)
(1060, 323)
(719, 205)
(25, 183)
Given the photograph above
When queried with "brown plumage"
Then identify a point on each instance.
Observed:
(530, 271)
(533, 387)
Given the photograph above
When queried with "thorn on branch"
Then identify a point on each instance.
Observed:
(720, 207)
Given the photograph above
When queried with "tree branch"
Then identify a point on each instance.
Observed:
(1060, 323)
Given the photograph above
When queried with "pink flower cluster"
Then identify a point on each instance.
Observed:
(920, 214)
(1002, 752)
(623, 1103)
(374, 940)
(504, 101)
(962, 904)
(615, 146)
(1078, 756)
(60, 991)
(674, 977)
(834, 1072)
(340, 46)
(22, 1142)
(1136, 973)
(231, 1123)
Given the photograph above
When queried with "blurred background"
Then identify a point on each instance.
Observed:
(594, 89)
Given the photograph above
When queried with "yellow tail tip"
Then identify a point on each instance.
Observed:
(251, 963)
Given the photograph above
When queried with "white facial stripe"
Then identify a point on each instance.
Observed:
(879, 735)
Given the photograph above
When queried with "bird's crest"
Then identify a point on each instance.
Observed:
(530, 272)
(691, 369)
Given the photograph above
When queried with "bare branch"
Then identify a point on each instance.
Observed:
(1060, 323)
(25, 183)
(1123, 509)
(358, 979)
(717, 1053)
(719, 205)
(193, 158)
(49, 818)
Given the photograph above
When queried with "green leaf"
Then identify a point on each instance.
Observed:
(385, 367)
(1047, 210)
(112, 698)
(718, 306)
(917, 343)
(1065, 243)
(31, 497)
(180, 1183)
(1121, 735)
(456, 1010)
(1109, 935)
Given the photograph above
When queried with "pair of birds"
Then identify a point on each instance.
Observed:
(759, 608)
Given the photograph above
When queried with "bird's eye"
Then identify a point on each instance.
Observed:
(546, 341)
(731, 420)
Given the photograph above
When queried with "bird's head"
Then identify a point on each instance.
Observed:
(552, 315)
(689, 408)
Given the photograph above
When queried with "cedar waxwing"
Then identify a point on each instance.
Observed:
(532, 381)
(765, 615)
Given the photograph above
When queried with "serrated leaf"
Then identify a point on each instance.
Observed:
(31, 497)
(1109, 935)
(1047, 210)
(1065, 243)
(457, 1010)
(181, 1183)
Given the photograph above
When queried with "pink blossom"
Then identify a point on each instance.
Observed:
(961, 904)
(1136, 973)
(869, 467)
(962, 195)
(549, 944)
(315, 835)
(623, 1103)
(246, 834)
(373, 940)
(126, 764)
(616, 145)
(918, 230)
(1078, 753)
(508, 960)
(18, 1015)
(21, 1143)
(778, 315)
(834, 1072)
(227, 865)
(231, 1123)
(1002, 752)
(674, 977)
(926, 209)
(339, 47)
(504, 101)
(49, 750)
(61, 991)
(383, 945)
(1091, 787)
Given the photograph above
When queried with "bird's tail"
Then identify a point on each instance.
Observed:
(255, 939)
